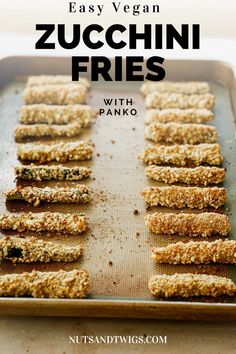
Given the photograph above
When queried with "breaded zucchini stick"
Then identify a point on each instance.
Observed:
(192, 252)
(176, 133)
(188, 285)
(23, 131)
(55, 94)
(61, 152)
(61, 284)
(188, 88)
(28, 250)
(203, 224)
(179, 100)
(183, 155)
(54, 172)
(53, 114)
(185, 197)
(54, 222)
(55, 79)
(35, 195)
(202, 175)
(190, 115)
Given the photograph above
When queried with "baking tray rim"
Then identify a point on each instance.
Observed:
(121, 308)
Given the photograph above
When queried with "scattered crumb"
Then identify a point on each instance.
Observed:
(110, 263)
(136, 212)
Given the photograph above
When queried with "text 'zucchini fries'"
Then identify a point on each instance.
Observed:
(53, 222)
(191, 115)
(181, 133)
(183, 155)
(178, 100)
(23, 131)
(204, 224)
(52, 114)
(61, 152)
(28, 250)
(72, 285)
(55, 94)
(188, 88)
(35, 195)
(188, 285)
(56, 172)
(192, 252)
(201, 175)
(38, 80)
(185, 197)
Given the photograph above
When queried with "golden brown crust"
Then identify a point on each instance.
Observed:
(55, 94)
(57, 114)
(190, 115)
(35, 195)
(61, 284)
(53, 172)
(193, 252)
(185, 197)
(188, 285)
(61, 152)
(176, 133)
(52, 222)
(203, 224)
(183, 155)
(28, 250)
(179, 100)
(188, 88)
(202, 175)
(36, 80)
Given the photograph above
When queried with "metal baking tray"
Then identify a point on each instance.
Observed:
(117, 246)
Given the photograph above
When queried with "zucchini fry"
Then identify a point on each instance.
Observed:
(187, 88)
(38, 80)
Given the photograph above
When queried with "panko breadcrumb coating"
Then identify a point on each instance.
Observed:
(179, 100)
(36, 80)
(204, 252)
(55, 94)
(184, 224)
(190, 115)
(36, 195)
(53, 172)
(188, 88)
(185, 197)
(202, 175)
(183, 155)
(53, 222)
(176, 133)
(28, 250)
(57, 114)
(61, 152)
(61, 284)
(188, 285)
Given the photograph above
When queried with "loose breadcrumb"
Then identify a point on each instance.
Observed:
(202, 175)
(190, 115)
(185, 197)
(61, 284)
(183, 224)
(179, 100)
(177, 133)
(36, 195)
(55, 94)
(28, 250)
(188, 285)
(55, 79)
(193, 252)
(53, 222)
(188, 88)
(183, 155)
(53, 114)
(53, 172)
(61, 152)
(23, 131)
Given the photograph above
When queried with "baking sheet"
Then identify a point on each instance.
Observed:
(117, 245)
